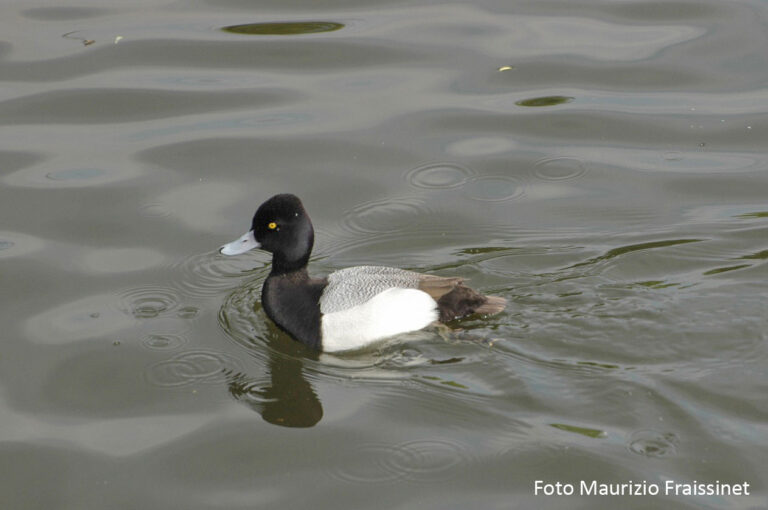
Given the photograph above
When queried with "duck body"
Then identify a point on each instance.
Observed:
(352, 307)
(292, 301)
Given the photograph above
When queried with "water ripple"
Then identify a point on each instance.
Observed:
(206, 274)
(652, 443)
(149, 302)
(155, 210)
(559, 169)
(192, 367)
(163, 342)
(385, 216)
(239, 316)
(419, 461)
(494, 188)
(439, 176)
(373, 464)
(431, 460)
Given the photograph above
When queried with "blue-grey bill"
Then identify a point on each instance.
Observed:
(241, 245)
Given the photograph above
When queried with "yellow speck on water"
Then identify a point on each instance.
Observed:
(506, 68)
(118, 39)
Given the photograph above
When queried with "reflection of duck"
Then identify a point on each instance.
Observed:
(352, 307)
(288, 400)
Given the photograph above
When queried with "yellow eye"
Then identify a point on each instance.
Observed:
(272, 226)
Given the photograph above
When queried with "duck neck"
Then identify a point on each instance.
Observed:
(295, 255)
(282, 265)
(292, 301)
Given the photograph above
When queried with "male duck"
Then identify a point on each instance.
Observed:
(352, 307)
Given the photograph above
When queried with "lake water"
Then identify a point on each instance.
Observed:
(601, 164)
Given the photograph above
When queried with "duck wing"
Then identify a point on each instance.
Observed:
(354, 286)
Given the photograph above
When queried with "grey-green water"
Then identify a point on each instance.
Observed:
(601, 164)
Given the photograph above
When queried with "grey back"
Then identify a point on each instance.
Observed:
(354, 286)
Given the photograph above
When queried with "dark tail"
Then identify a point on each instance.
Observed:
(463, 301)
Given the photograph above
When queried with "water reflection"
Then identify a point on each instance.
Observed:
(544, 101)
(287, 399)
(622, 250)
(284, 28)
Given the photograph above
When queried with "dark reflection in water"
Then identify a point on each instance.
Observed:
(544, 101)
(584, 431)
(282, 396)
(623, 250)
(761, 214)
(284, 28)
(287, 400)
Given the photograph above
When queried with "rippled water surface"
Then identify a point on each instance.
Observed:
(601, 164)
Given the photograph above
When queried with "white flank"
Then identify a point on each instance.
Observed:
(388, 313)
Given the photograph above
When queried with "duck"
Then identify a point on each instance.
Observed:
(353, 307)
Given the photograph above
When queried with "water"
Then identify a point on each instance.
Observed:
(602, 165)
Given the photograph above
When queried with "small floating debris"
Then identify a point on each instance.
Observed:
(506, 68)
(284, 28)
(118, 39)
(73, 35)
(544, 101)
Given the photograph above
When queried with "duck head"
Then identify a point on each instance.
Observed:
(282, 227)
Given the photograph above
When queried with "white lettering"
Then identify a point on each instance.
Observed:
(552, 489)
(642, 488)
(588, 490)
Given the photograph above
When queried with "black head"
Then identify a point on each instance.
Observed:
(281, 226)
